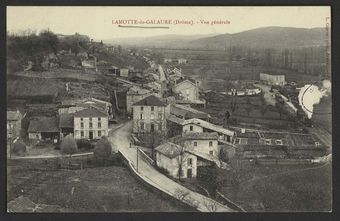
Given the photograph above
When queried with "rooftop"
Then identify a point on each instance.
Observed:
(169, 149)
(201, 136)
(151, 100)
(44, 124)
(90, 112)
(66, 121)
(209, 126)
(187, 112)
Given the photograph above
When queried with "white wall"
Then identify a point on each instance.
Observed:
(156, 117)
(203, 146)
(196, 128)
(87, 129)
(187, 90)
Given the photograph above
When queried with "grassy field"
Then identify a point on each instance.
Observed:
(102, 189)
(277, 188)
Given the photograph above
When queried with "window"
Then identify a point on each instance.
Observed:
(191, 128)
(141, 116)
(90, 118)
(99, 124)
(81, 119)
(99, 119)
(152, 116)
(82, 125)
(99, 133)
(91, 125)
(195, 144)
(141, 108)
(210, 143)
(152, 108)
(190, 161)
(211, 152)
(142, 126)
(81, 133)
(152, 127)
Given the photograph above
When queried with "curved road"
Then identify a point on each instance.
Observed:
(121, 138)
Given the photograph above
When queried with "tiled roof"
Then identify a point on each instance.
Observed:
(169, 149)
(151, 100)
(90, 112)
(66, 121)
(201, 136)
(44, 124)
(209, 126)
(187, 112)
(183, 79)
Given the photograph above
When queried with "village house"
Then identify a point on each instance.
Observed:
(124, 72)
(173, 157)
(272, 79)
(188, 91)
(74, 105)
(205, 143)
(199, 126)
(90, 123)
(167, 60)
(44, 128)
(135, 94)
(149, 115)
(14, 118)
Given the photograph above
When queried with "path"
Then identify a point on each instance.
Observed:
(121, 138)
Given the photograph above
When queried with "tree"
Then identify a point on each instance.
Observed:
(68, 145)
(18, 147)
(103, 149)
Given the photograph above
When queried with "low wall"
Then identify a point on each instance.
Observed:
(166, 196)
(283, 161)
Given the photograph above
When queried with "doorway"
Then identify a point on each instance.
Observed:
(189, 173)
(90, 135)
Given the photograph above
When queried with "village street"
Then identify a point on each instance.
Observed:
(121, 139)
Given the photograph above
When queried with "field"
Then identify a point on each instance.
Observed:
(278, 188)
(249, 110)
(102, 189)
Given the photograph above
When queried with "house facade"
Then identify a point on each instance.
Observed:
(205, 143)
(173, 158)
(187, 89)
(149, 115)
(135, 94)
(14, 118)
(273, 79)
(90, 123)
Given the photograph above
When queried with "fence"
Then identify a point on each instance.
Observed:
(229, 203)
(145, 156)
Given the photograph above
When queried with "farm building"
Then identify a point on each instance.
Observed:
(66, 125)
(173, 157)
(124, 72)
(273, 79)
(186, 112)
(43, 128)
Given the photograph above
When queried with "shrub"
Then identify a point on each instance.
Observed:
(84, 144)
(68, 145)
(103, 149)
(18, 148)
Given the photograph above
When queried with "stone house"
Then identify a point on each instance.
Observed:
(149, 115)
(205, 143)
(90, 123)
(173, 157)
(135, 94)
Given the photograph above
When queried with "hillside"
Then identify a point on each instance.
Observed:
(268, 37)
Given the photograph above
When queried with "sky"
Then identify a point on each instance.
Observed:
(97, 21)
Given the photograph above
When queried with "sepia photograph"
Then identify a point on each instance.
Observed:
(130, 109)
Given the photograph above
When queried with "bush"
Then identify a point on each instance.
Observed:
(18, 148)
(84, 144)
(68, 145)
(103, 149)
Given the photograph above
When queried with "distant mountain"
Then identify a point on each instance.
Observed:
(267, 37)
(158, 41)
